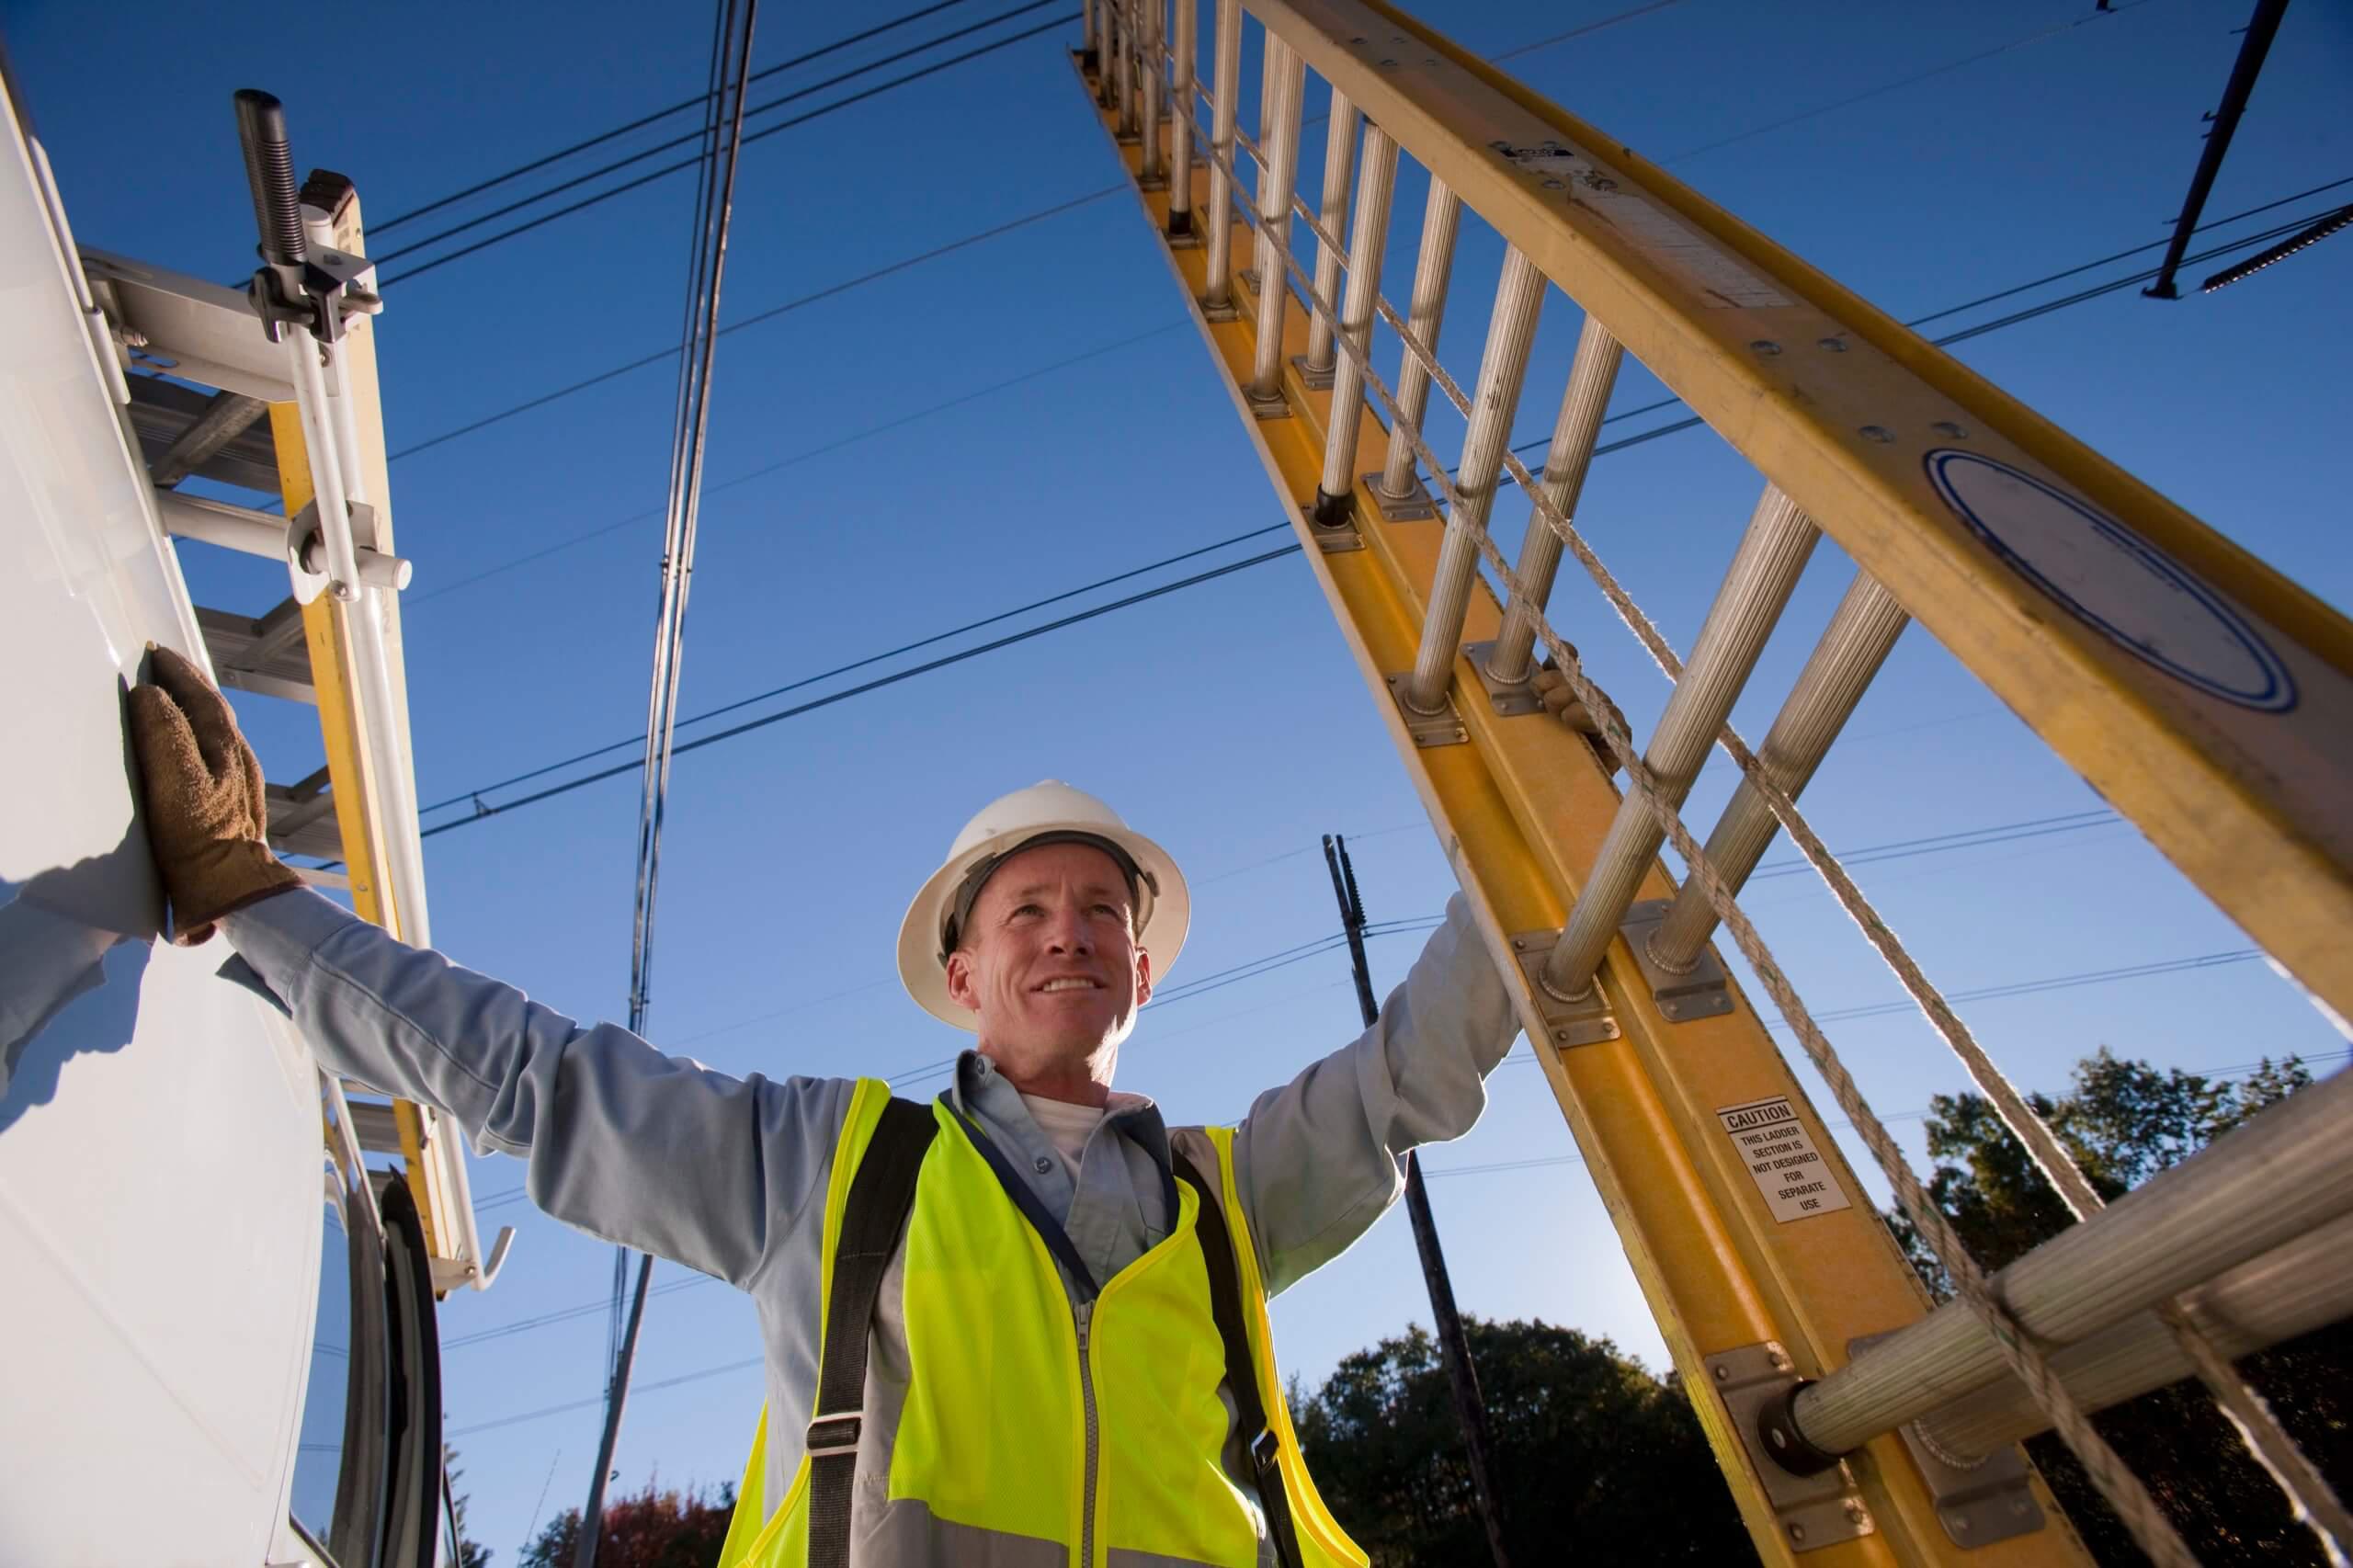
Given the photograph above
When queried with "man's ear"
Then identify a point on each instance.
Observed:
(960, 989)
(1143, 977)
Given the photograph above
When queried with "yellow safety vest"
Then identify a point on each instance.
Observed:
(993, 1436)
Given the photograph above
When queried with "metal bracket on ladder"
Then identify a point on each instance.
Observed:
(1584, 1020)
(1814, 1511)
(1508, 700)
(1334, 538)
(1412, 507)
(1310, 377)
(1703, 991)
(1443, 728)
(1978, 1504)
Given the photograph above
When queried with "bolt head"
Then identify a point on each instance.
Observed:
(1831, 345)
(1561, 1035)
(1957, 1523)
(1949, 430)
(1603, 182)
(1780, 1439)
(1554, 185)
(1723, 1374)
(1878, 433)
(1765, 346)
(1389, 65)
(1797, 1532)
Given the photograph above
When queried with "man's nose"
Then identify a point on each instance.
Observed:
(1069, 933)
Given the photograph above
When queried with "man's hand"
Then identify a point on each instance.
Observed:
(1551, 687)
(207, 821)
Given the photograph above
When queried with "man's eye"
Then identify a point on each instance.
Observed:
(1028, 909)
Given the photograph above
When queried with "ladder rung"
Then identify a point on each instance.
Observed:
(182, 431)
(267, 657)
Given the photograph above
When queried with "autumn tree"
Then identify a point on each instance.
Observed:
(2124, 1121)
(1595, 1459)
(657, 1527)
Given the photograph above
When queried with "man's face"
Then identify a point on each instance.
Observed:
(1050, 963)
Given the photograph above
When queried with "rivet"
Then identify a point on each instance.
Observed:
(1957, 1523)
(1389, 65)
(1766, 346)
(1949, 430)
(1428, 60)
(1831, 345)
(1780, 1438)
(1797, 1532)
(1723, 1374)
(1878, 433)
(1561, 1035)
(1855, 1511)
(1520, 943)
(1553, 185)
(2019, 1506)
(1603, 182)
(1356, 41)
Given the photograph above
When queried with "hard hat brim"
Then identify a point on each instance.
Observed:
(926, 977)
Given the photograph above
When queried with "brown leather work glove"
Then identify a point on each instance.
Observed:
(1551, 687)
(207, 824)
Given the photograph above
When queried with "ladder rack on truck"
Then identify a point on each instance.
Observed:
(2206, 696)
(163, 1138)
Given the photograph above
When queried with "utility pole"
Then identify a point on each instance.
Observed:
(1454, 1348)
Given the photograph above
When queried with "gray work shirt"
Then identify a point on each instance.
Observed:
(728, 1176)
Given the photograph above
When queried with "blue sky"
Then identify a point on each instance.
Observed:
(1226, 720)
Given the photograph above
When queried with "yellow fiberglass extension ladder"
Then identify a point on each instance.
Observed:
(2204, 696)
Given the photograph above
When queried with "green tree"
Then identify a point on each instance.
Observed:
(2124, 1121)
(1595, 1459)
(657, 1527)
(471, 1553)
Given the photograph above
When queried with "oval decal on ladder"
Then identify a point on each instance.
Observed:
(2114, 581)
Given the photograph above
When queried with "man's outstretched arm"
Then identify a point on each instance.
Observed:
(622, 1141)
(651, 1151)
(1316, 1161)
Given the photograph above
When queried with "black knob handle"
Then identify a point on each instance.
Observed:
(269, 171)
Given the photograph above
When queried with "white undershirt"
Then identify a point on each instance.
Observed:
(1067, 1127)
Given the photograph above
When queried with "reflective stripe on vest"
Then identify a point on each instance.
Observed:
(991, 1462)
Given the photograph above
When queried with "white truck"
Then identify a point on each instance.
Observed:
(220, 1264)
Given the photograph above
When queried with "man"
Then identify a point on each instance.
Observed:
(1052, 1343)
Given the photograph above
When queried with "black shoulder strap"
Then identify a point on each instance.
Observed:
(882, 1194)
(1241, 1374)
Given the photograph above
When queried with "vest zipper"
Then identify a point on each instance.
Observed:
(1085, 1313)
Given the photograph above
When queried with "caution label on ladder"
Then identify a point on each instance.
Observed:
(1789, 1171)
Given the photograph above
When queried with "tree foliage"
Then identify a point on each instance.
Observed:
(1595, 1459)
(2124, 1121)
(471, 1553)
(658, 1528)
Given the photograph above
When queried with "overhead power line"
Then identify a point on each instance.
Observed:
(668, 169)
(771, 313)
(1088, 197)
(742, 702)
(647, 155)
(484, 809)
(640, 124)
(876, 685)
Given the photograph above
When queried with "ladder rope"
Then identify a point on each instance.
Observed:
(2148, 1524)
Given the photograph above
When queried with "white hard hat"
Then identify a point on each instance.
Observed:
(1055, 812)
